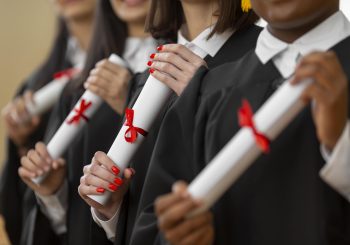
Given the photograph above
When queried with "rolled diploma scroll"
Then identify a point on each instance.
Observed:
(151, 100)
(47, 96)
(241, 151)
(67, 132)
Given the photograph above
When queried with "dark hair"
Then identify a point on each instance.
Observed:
(166, 17)
(108, 36)
(56, 60)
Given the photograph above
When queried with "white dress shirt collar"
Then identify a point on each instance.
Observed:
(75, 54)
(285, 56)
(137, 52)
(209, 46)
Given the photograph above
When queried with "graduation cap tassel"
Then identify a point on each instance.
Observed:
(246, 5)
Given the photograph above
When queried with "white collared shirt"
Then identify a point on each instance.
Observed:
(285, 57)
(207, 46)
(137, 52)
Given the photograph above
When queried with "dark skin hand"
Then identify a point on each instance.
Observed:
(172, 210)
(329, 92)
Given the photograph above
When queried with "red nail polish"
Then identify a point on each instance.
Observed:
(112, 187)
(118, 181)
(115, 170)
(152, 56)
(132, 171)
(151, 71)
(100, 190)
(149, 63)
(159, 48)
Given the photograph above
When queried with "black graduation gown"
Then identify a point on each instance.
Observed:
(236, 46)
(98, 134)
(16, 200)
(281, 198)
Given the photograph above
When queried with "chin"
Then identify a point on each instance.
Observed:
(77, 12)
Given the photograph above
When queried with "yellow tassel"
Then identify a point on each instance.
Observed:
(246, 5)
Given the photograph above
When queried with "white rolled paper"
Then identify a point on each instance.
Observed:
(151, 100)
(68, 131)
(47, 96)
(242, 150)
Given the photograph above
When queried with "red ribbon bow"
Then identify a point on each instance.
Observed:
(66, 73)
(245, 116)
(132, 132)
(80, 112)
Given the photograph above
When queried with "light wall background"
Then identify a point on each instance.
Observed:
(26, 31)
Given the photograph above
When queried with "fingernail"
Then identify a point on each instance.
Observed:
(159, 48)
(118, 181)
(152, 56)
(151, 71)
(112, 187)
(115, 170)
(100, 190)
(149, 63)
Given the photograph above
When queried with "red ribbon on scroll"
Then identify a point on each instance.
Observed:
(132, 132)
(80, 112)
(245, 116)
(70, 73)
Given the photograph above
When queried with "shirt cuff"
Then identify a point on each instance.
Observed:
(109, 226)
(54, 207)
(336, 172)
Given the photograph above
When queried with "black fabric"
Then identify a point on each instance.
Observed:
(236, 46)
(280, 199)
(15, 198)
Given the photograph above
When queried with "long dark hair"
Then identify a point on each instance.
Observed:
(56, 60)
(166, 17)
(109, 36)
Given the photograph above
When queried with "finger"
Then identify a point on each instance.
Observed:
(163, 202)
(28, 96)
(168, 68)
(21, 109)
(42, 150)
(102, 159)
(176, 213)
(180, 187)
(315, 92)
(106, 64)
(103, 73)
(129, 173)
(60, 163)
(29, 165)
(184, 52)
(25, 173)
(195, 236)
(167, 80)
(40, 164)
(95, 181)
(101, 172)
(172, 58)
(91, 190)
(100, 91)
(317, 73)
(189, 225)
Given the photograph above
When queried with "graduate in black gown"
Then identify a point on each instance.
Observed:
(72, 38)
(281, 198)
(118, 29)
(232, 37)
